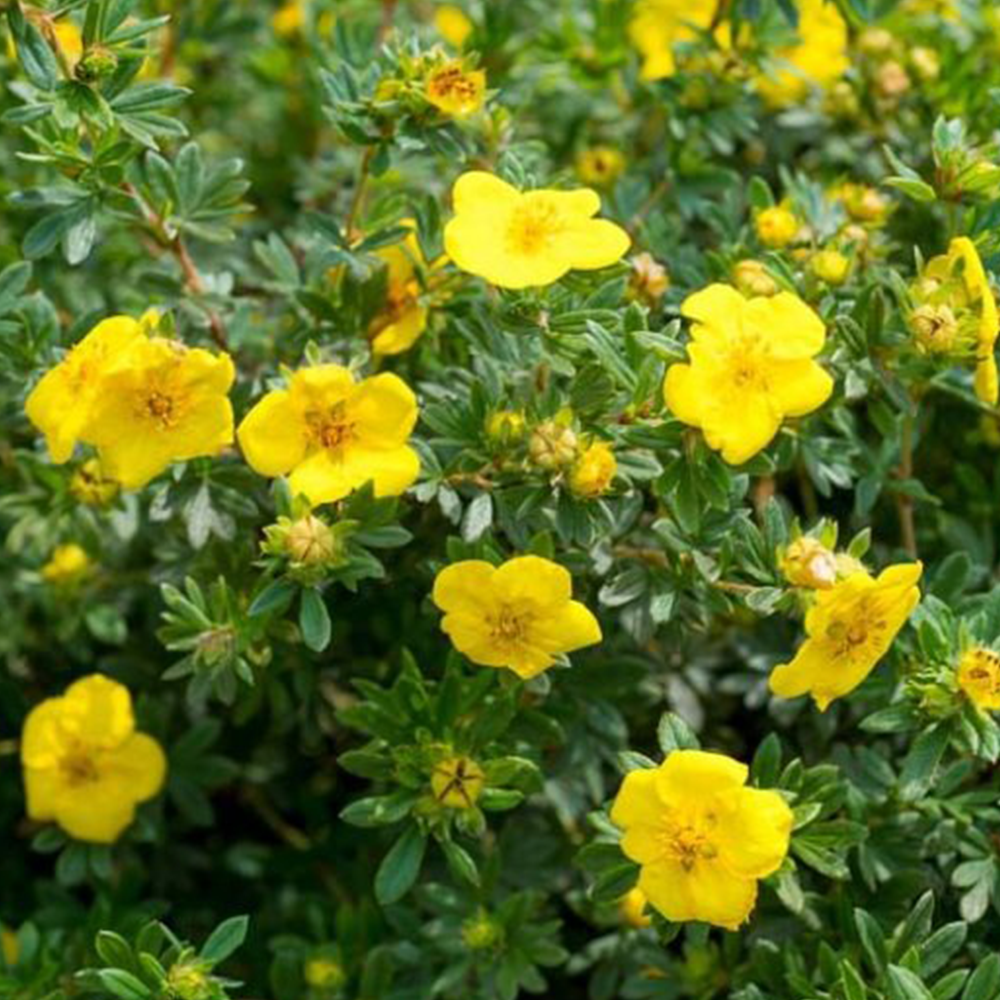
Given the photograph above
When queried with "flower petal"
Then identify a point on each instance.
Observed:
(273, 435)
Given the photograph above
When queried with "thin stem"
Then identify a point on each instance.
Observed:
(360, 188)
(388, 13)
(904, 503)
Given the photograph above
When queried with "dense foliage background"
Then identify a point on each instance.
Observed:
(242, 167)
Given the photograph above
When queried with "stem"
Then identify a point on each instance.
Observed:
(388, 12)
(360, 187)
(176, 246)
(904, 503)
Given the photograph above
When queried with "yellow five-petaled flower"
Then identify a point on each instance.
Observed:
(520, 239)
(751, 366)
(331, 435)
(701, 837)
(85, 766)
(520, 615)
(849, 629)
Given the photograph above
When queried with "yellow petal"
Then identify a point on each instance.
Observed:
(42, 788)
(582, 203)
(752, 836)
(98, 812)
(792, 329)
(741, 425)
(321, 480)
(534, 580)
(384, 409)
(638, 799)
(706, 892)
(465, 586)
(52, 409)
(695, 774)
(717, 307)
(596, 243)
(273, 435)
(799, 386)
(570, 627)
(392, 470)
(140, 766)
(320, 386)
(41, 737)
(475, 189)
(98, 710)
(403, 334)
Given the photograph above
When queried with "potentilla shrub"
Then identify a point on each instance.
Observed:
(499, 498)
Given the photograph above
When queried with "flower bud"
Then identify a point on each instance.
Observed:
(632, 907)
(505, 426)
(324, 973)
(935, 328)
(891, 80)
(97, 63)
(807, 562)
(926, 63)
(875, 41)
(831, 266)
(649, 280)
(594, 471)
(67, 566)
(457, 782)
(481, 932)
(552, 445)
(189, 980)
(90, 486)
(600, 166)
(310, 541)
(752, 279)
(776, 226)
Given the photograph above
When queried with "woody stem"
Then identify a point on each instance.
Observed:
(904, 503)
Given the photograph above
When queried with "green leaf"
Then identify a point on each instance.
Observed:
(314, 620)
(673, 733)
(401, 866)
(123, 984)
(984, 983)
(225, 939)
(906, 985)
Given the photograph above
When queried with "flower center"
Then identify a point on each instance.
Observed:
(161, 408)
(79, 768)
(330, 428)
(853, 635)
(452, 83)
(688, 843)
(532, 227)
(508, 626)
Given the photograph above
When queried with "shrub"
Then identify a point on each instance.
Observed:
(499, 499)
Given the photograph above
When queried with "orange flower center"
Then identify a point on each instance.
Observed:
(852, 636)
(532, 227)
(78, 768)
(509, 626)
(161, 408)
(452, 84)
(688, 843)
(330, 428)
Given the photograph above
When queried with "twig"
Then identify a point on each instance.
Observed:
(388, 12)
(360, 187)
(904, 503)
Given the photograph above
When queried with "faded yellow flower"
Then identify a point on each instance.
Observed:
(979, 677)
(807, 562)
(455, 89)
(520, 615)
(68, 565)
(521, 239)
(594, 471)
(848, 630)
(701, 837)
(331, 435)
(162, 403)
(751, 366)
(817, 60)
(85, 766)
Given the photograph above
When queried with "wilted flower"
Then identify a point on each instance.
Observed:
(594, 471)
(807, 562)
(751, 277)
(979, 677)
(649, 280)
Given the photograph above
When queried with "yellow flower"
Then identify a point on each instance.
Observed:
(701, 837)
(67, 565)
(333, 434)
(162, 403)
(70, 40)
(633, 908)
(85, 766)
(775, 226)
(600, 166)
(505, 426)
(658, 25)
(831, 266)
(8, 946)
(818, 59)
(403, 318)
(60, 405)
(521, 239)
(750, 367)
(290, 18)
(594, 470)
(956, 312)
(521, 615)
(849, 629)
(324, 973)
(452, 24)
(455, 90)
(457, 782)
(979, 677)
(807, 562)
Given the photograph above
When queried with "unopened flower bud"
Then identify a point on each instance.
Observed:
(311, 541)
(892, 80)
(457, 782)
(752, 279)
(505, 426)
(831, 266)
(89, 485)
(935, 328)
(807, 562)
(649, 280)
(552, 445)
(324, 973)
(189, 980)
(97, 63)
(776, 227)
(594, 471)
(926, 63)
(481, 932)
